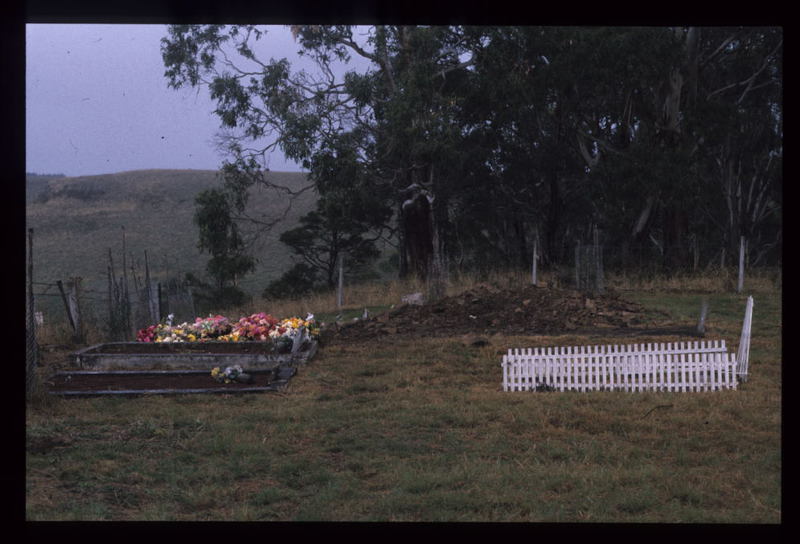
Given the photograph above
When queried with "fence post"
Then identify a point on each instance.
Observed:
(701, 321)
(340, 293)
(75, 309)
(534, 279)
(66, 304)
(599, 280)
(743, 353)
(740, 284)
(32, 351)
(160, 304)
(110, 297)
(153, 303)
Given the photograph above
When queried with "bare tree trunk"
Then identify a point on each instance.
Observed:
(675, 227)
(553, 218)
(419, 230)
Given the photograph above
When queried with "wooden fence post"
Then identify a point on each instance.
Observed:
(701, 321)
(153, 297)
(599, 280)
(160, 304)
(74, 299)
(66, 304)
(130, 327)
(340, 293)
(740, 283)
(534, 278)
(32, 351)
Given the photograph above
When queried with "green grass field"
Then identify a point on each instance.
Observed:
(419, 430)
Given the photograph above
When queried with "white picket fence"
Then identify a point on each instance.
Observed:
(678, 367)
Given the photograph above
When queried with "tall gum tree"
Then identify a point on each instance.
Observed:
(393, 107)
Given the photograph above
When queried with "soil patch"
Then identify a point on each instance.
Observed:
(141, 383)
(488, 310)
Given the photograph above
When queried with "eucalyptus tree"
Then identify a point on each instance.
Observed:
(655, 134)
(220, 237)
(738, 115)
(561, 103)
(469, 140)
(394, 109)
(346, 222)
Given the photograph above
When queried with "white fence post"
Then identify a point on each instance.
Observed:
(743, 355)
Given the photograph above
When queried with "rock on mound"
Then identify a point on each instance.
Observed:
(489, 310)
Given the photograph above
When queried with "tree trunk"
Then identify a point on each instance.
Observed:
(553, 218)
(676, 225)
(424, 247)
(417, 221)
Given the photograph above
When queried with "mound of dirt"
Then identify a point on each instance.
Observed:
(487, 310)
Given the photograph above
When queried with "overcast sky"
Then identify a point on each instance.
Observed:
(97, 102)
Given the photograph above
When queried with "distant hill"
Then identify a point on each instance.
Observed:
(35, 184)
(76, 220)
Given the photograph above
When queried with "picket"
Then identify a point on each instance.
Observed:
(681, 367)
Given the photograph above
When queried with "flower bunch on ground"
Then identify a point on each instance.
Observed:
(211, 327)
(228, 375)
(258, 327)
(253, 327)
(148, 334)
(292, 326)
(177, 333)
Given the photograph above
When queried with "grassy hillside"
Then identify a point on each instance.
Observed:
(77, 219)
(36, 184)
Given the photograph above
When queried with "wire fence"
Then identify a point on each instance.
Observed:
(115, 314)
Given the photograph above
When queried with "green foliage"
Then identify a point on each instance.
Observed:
(210, 298)
(299, 280)
(219, 236)
(514, 130)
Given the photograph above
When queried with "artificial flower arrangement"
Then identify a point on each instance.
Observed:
(230, 374)
(212, 326)
(258, 327)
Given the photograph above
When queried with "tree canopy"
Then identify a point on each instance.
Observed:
(463, 144)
